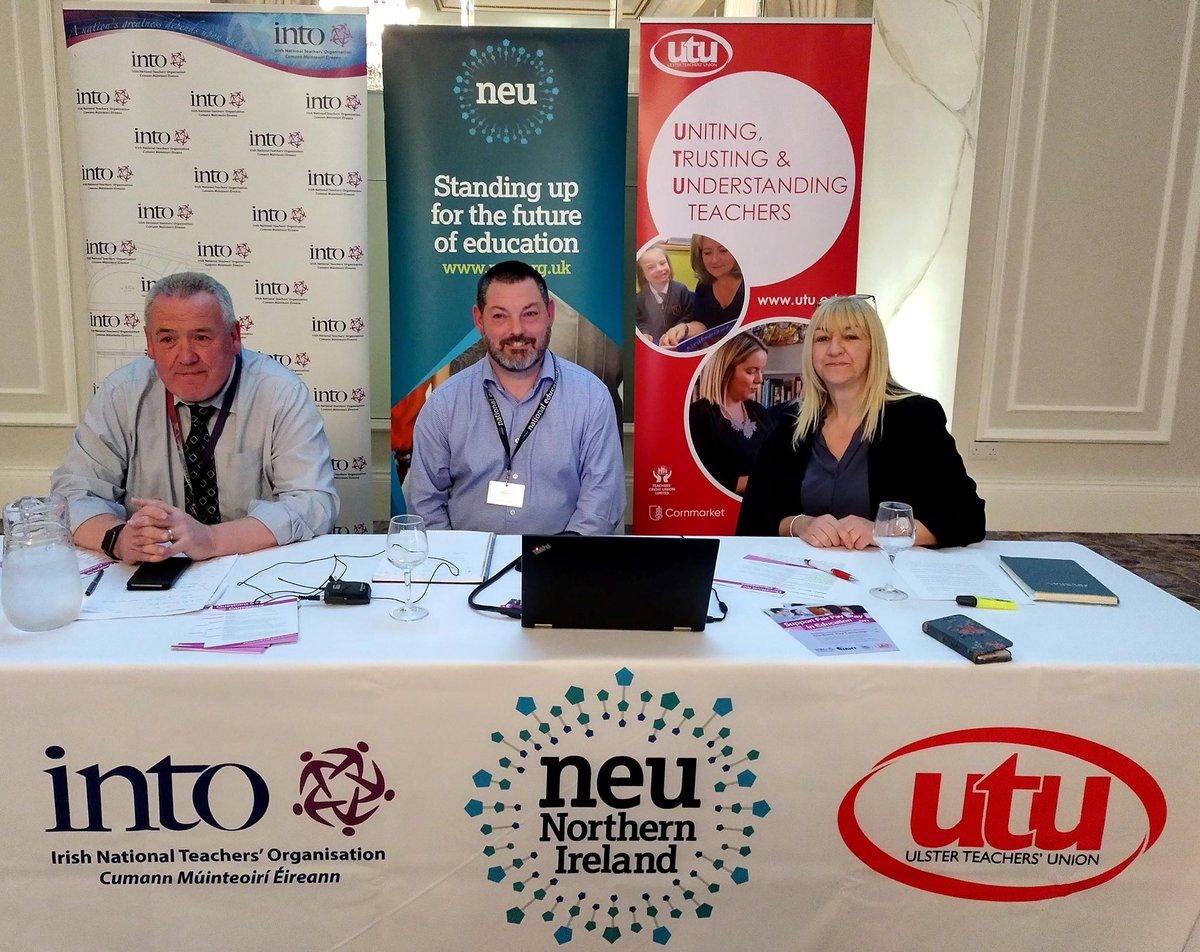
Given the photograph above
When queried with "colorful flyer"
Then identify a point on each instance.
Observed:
(832, 629)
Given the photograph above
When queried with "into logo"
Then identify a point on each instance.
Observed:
(341, 787)
(691, 53)
(1029, 799)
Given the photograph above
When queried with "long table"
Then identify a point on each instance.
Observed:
(464, 783)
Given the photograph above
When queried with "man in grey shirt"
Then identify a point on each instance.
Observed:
(201, 447)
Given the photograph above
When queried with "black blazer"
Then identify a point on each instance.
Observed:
(912, 459)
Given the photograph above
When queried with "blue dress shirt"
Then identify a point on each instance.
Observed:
(570, 465)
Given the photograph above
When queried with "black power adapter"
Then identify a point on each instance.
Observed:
(347, 593)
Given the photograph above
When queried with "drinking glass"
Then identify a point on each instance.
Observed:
(895, 530)
(407, 547)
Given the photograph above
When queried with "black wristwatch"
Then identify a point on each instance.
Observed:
(108, 545)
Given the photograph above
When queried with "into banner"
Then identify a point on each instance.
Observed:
(501, 143)
(750, 145)
(233, 143)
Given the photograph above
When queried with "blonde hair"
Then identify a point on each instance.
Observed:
(639, 277)
(842, 314)
(719, 368)
(702, 274)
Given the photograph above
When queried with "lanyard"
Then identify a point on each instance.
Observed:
(222, 416)
(502, 430)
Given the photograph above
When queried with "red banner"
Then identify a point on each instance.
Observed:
(750, 150)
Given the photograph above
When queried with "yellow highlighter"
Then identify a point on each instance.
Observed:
(976, 601)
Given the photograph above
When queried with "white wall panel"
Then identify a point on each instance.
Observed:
(37, 362)
(1096, 234)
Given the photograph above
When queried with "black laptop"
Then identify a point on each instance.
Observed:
(646, 583)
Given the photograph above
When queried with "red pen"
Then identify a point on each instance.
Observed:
(835, 572)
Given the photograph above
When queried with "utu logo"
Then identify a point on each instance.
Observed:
(298, 35)
(1025, 819)
(147, 60)
(989, 807)
(127, 791)
(691, 53)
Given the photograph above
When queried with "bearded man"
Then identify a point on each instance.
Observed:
(523, 441)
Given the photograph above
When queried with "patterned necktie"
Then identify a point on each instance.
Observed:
(201, 500)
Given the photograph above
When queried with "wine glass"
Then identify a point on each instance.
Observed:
(895, 530)
(407, 547)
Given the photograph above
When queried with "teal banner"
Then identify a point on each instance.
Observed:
(501, 143)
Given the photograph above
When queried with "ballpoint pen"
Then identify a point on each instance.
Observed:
(832, 570)
(94, 582)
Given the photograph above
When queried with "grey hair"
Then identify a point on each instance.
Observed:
(186, 284)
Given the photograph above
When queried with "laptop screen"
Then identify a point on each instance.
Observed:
(647, 583)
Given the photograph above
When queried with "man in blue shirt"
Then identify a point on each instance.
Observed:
(523, 441)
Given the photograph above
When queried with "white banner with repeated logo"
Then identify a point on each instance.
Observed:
(233, 143)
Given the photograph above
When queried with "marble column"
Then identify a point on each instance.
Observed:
(918, 172)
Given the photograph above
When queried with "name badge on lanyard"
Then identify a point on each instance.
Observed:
(507, 492)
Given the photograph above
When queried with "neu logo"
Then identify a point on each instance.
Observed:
(1003, 809)
(691, 53)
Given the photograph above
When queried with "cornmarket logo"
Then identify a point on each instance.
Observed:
(506, 93)
(341, 787)
(615, 811)
(1003, 814)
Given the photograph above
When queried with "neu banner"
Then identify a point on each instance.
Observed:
(750, 150)
(501, 143)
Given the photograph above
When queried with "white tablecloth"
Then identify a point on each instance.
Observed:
(396, 785)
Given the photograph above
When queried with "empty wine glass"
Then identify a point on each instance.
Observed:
(895, 530)
(407, 547)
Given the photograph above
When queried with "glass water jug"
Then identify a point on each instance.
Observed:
(40, 586)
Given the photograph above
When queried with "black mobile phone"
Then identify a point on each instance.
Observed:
(157, 576)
